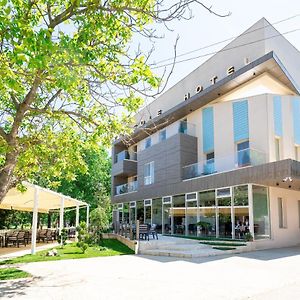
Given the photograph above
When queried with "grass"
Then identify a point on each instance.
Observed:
(71, 251)
(205, 238)
(224, 248)
(12, 273)
(216, 243)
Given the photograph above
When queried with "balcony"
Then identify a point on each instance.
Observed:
(125, 155)
(186, 128)
(243, 158)
(126, 188)
(125, 164)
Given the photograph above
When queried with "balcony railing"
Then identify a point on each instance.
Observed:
(243, 158)
(125, 154)
(126, 188)
(186, 128)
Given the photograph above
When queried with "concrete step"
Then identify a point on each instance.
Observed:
(183, 253)
(183, 247)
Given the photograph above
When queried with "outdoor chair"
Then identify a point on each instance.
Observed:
(49, 236)
(144, 231)
(17, 238)
(153, 231)
(42, 235)
(27, 236)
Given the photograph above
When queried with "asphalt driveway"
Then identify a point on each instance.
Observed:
(263, 275)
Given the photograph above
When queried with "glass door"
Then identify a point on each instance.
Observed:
(132, 212)
(224, 211)
(207, 214)
(148, 211)
(191, 203)
(166, 215)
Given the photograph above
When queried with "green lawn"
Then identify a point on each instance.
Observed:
(71, 251)
(12, 273)
(224, 248)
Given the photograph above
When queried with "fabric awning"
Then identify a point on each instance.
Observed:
(48, 200)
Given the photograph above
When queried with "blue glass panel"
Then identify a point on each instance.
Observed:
(208, 129)
(240, 120)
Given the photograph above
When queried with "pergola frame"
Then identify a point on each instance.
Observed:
(45, 207)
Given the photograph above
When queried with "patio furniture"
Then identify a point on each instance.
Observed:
(16, 238)
(42, 235)
(153, 231)
(49, 235)
(144, 231)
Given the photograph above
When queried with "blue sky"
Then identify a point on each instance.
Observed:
(204, 29)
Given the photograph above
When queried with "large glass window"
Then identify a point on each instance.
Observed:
(132, 212)
(261, 212)
(207, 213)
(148, 211)
(191, 216)
(140, 211)
(157, 214)
(166, 216)
(126, 213)
(149, 173)
(241, 211)
(224, 212)
(178, 212)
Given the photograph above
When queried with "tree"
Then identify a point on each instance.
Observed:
(64, 68)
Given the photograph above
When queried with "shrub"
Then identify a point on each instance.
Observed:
(62, 238)
(84, 238)
(248, 237)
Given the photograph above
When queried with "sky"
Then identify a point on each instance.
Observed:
(205, 29)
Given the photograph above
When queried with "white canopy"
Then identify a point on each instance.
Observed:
(38, 199)
(48, 200)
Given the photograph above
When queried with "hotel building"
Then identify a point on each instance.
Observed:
(218, 153)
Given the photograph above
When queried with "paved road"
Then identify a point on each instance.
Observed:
(261, 275)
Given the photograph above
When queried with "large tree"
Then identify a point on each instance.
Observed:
(64, 67)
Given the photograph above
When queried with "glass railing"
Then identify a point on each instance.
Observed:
(126, 188)
(243, 158)
(186, 128)
(125, 154)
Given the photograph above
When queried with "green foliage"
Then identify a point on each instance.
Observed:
(84, 238)
(65, 69)
(248, 237)
(62, 238)
(12, 273)
(71, 251)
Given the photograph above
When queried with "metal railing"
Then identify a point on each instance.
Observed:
(126, 188)
(243, 158)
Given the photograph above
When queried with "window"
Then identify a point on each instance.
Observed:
(243, 154)
(162, 135)
(209, 166)
(149, 173)
(210, 156)
(282, 213)
(296, 153)
(277, 149)
(147, 142)
(183, 126)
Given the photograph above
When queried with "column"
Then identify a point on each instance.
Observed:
(87, 216)
(61, 215)
(77, 222)
(34, 220)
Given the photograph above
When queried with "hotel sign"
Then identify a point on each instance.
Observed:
(199, 88)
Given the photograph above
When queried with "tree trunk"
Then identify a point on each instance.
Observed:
(6, 173)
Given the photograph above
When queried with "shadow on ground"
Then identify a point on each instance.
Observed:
(13, 288)
(263, 255)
